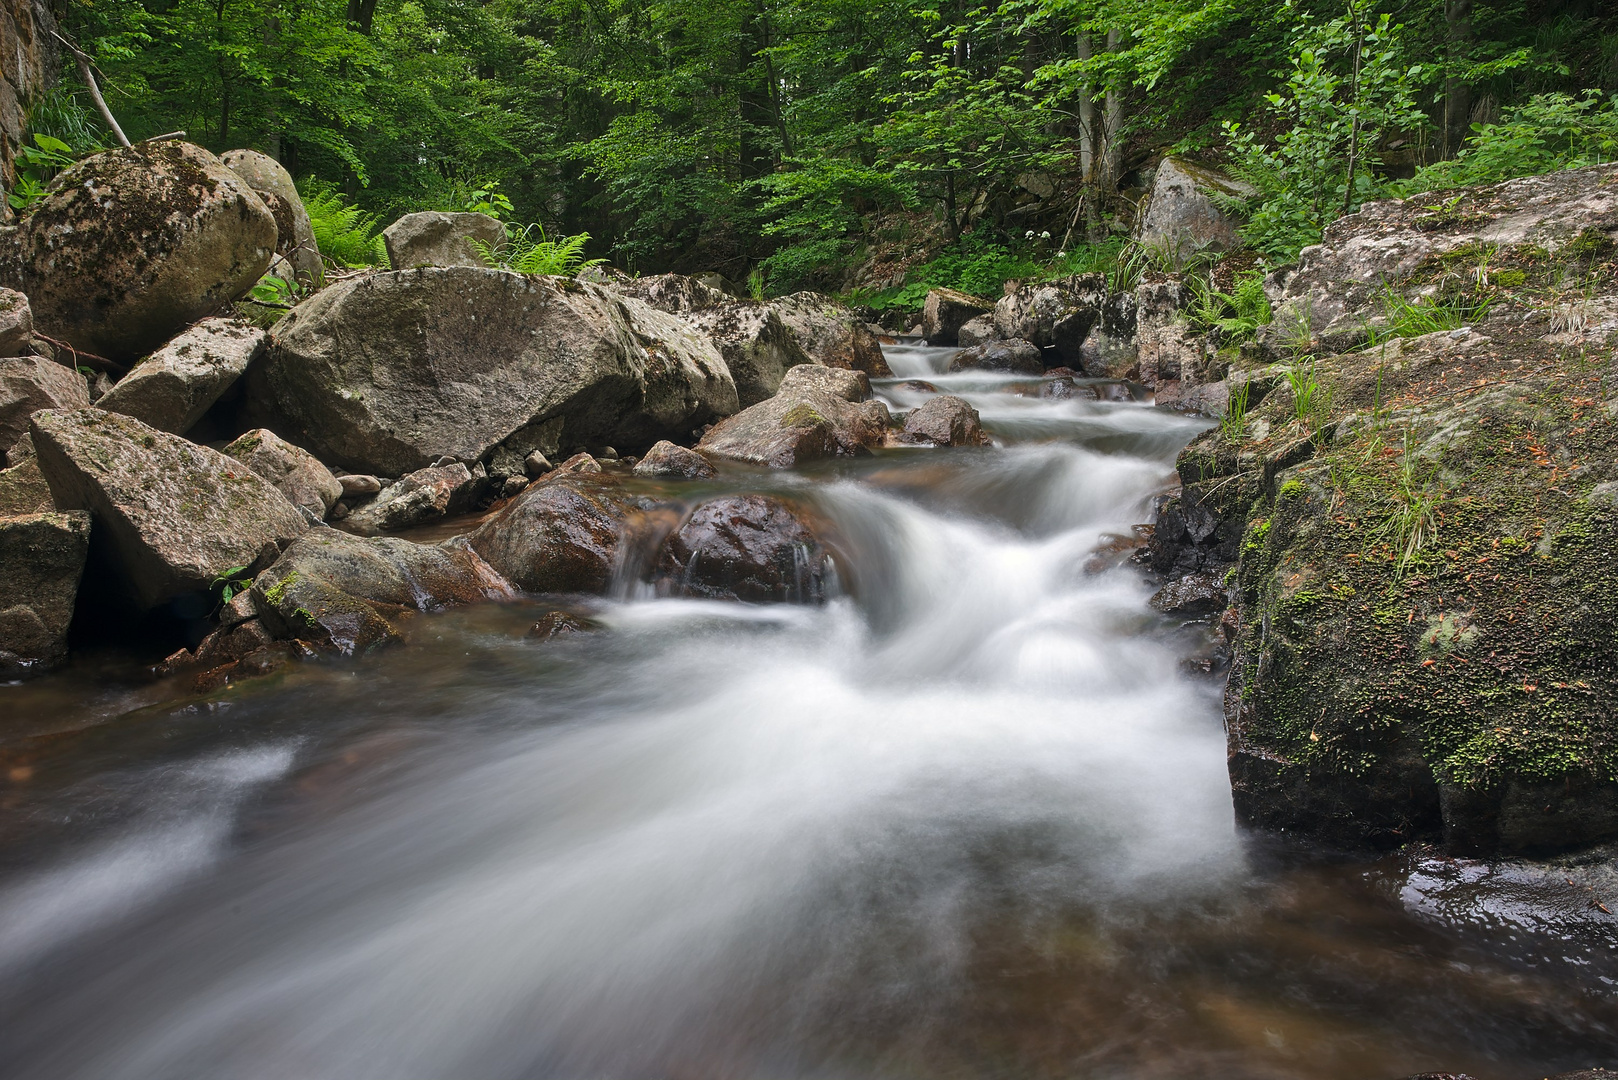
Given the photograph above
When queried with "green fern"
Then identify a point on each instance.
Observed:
(527, 251)
(345, 234)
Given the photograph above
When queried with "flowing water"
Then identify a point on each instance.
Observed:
(967, 819)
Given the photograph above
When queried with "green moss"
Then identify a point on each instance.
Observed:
(802, 416)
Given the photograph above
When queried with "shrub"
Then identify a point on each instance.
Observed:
(1547, 133)
(345, 234)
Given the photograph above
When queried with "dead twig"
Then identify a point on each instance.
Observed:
(89, 78)
(90, 359)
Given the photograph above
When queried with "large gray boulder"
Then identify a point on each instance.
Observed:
(23, 490)
(1181, 215)
(31, 383)
(757, 347)
(175, 515)
(676, 294)
(294, 471)
(349, 594)
(831, 333)
(437, 238)
(295, 235)
(947, 311)
(41, 561)
(173, 387)
(132, 245)
(946, 420)
(1053, 314)
(385, 374)
(819, 412)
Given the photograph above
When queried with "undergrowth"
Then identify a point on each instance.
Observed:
(528, 251)
(345, 234)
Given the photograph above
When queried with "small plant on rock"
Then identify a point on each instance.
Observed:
(528, 251)
(1233, 424)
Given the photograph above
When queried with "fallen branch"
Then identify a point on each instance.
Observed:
(100, 363)
(89, 78)
(167, 135)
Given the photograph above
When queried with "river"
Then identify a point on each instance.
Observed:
(969, 818)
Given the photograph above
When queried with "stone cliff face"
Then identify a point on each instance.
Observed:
(29, 61)
(1425, 626)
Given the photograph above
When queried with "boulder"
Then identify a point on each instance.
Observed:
(295, 235)
(438, 238)
(173, 387)
(1111, 348)
(831, 334)
(23, 490)
(132, 245)
(1053, 314)
(674, 462)
(415, 499)
(1166, 348)
(755, 548)
(977, 330)
(349, 594)
(819, 412)
(757, 347)
(1336, 297)
(386, 373)
(561, 535)
(946, 311)
(174, 515)
(1017, 357)
(1181, 215)
(295, 472)
(16, 324)
(946, 420)
(41, 561)
(675, 294)
(31, 383)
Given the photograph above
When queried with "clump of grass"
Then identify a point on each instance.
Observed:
(1236, 315)
(1233, 424)
(1407, 318)
(1415, 497)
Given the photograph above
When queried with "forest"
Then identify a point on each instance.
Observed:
(865, 147)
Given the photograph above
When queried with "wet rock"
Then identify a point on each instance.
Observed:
(132, 245)
(415, 499)
(1112, 347)
(819, 412)
(920, 386)
(668, 460)
(947, 421)
(1166, 348)
(295, 236)
(349, 593)
(1053, 314)
(1181, 216)
(831, 333)
(977, 331)
(173, 387)
(513, 486)
(755, 548)
(1017, 357)
(579, 463)
(16, 324)
(946, 311)
(1059, 385)
(562, 624)
(757, 347)
(437, 238)
(1193, 594)
(536, 465)
(31, 383)
(294, 471)
(41, 562)
(561, 535)
(175, 515)
(385, 373)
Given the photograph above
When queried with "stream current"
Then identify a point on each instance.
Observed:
(969, 818)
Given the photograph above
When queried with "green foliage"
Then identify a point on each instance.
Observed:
(756, 283)
(1348, 83)
(527, 251)
(1236, 315)
(976, 268)
(344, 233)
(1405, 318)
(1546, 133)
(1309, 400)
(1233, 424)
(35, 166)
(234, 580)
(1412, 506)
(272, 291)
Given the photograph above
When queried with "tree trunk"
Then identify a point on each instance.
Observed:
(1112, 155)
(1457, 95)
(1087, 118)
(361, 13)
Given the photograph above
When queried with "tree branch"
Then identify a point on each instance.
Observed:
(95, 91)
